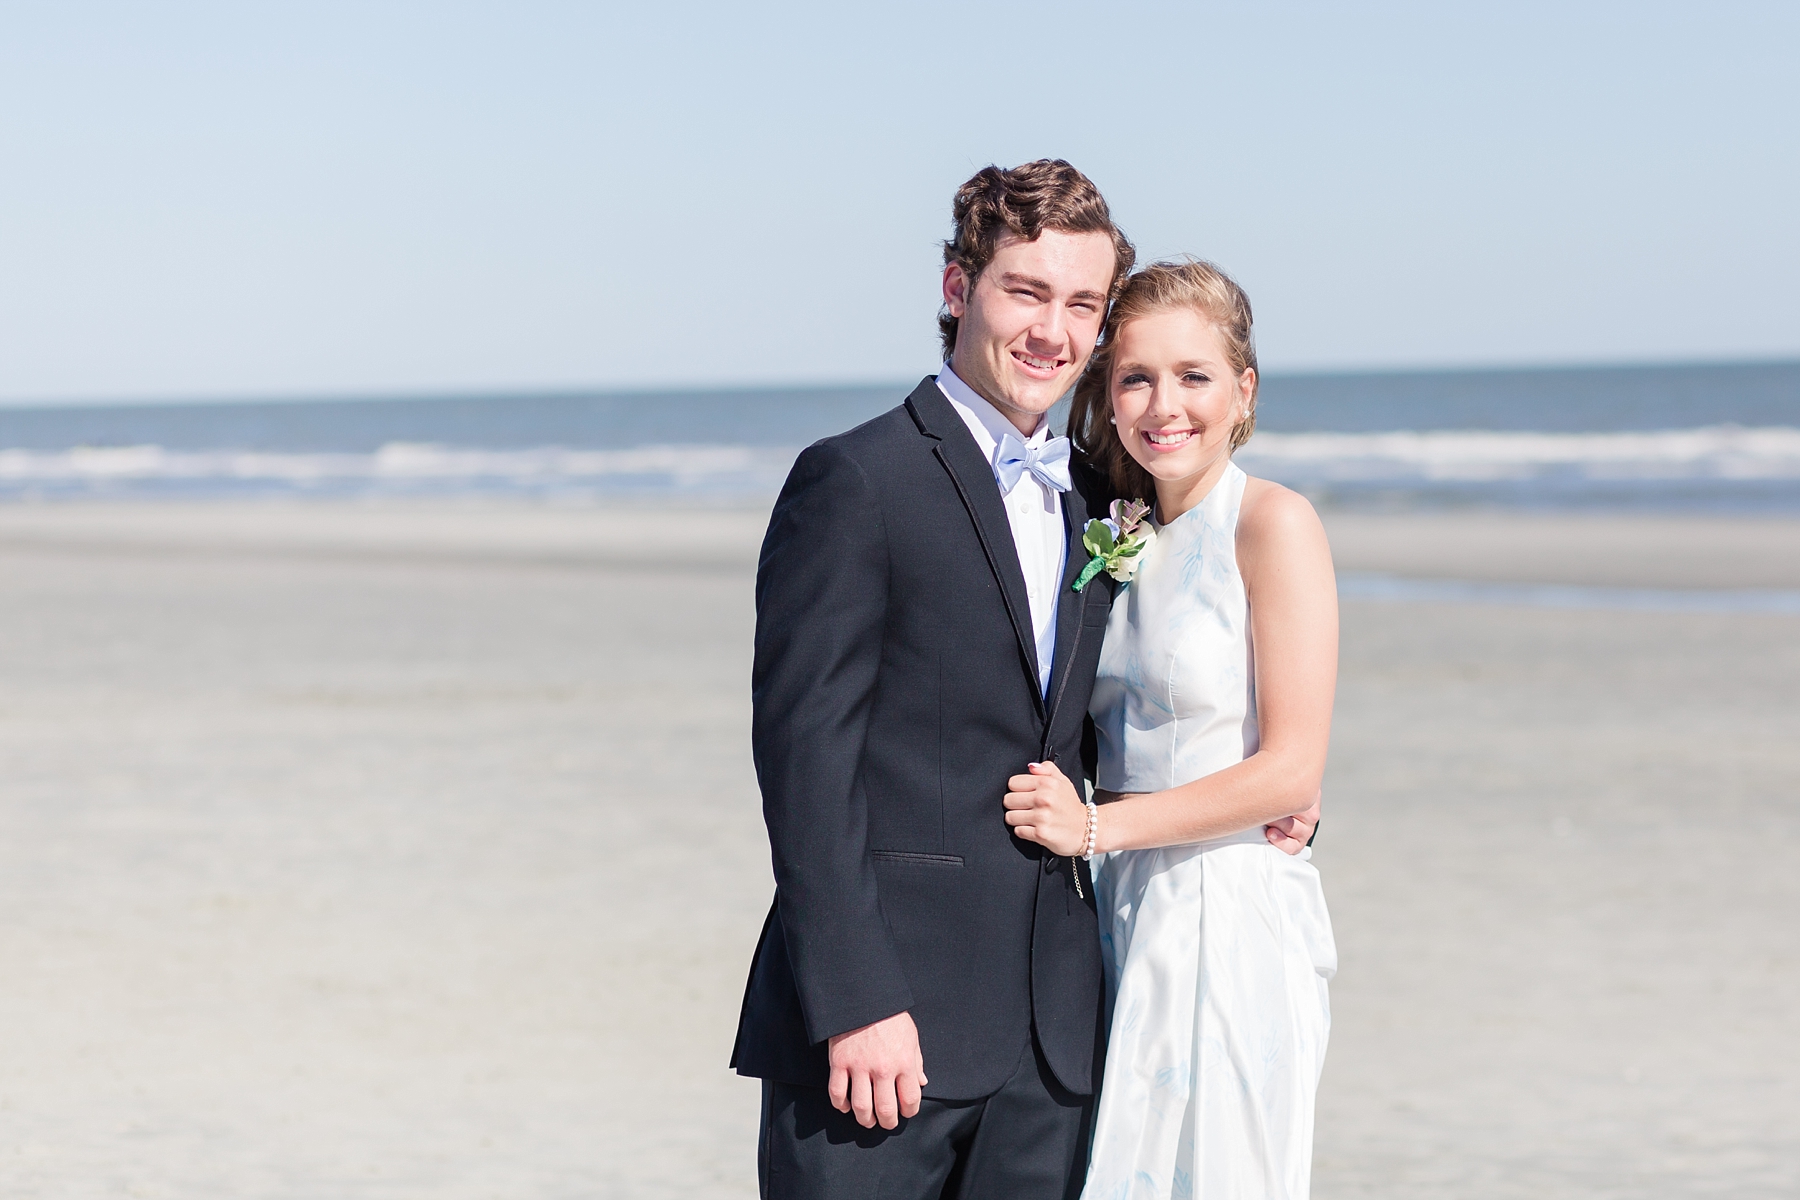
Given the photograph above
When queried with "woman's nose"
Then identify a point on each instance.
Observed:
(1162, 399)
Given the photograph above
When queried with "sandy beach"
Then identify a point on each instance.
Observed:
(414, 851)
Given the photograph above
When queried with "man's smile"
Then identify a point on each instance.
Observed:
(1042, 367)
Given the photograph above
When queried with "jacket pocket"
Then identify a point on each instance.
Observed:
(922, 860)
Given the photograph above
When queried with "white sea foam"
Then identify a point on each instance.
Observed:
(1721, 452)
(401, 464)
(1722, 455)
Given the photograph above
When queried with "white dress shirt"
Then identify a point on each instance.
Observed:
(1032, 509)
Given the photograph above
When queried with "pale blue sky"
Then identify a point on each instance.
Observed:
(212, 200)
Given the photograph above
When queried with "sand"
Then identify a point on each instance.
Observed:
(412, 851)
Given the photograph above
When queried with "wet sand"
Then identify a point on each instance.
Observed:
(413, 851)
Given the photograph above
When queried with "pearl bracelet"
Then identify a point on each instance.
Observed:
(1093, 830)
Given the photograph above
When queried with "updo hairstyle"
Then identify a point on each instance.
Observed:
(1159, 287)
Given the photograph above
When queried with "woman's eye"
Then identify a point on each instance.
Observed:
(1195, 378)
(1135, 379)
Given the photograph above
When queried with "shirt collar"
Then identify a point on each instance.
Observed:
(987, 423)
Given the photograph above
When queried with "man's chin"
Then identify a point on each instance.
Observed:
(1039, 397)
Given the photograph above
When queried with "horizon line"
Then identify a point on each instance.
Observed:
(574, 391)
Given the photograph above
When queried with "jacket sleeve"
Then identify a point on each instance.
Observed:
(821, 607)
(1090, 751)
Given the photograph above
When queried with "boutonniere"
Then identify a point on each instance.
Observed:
(1117, 542)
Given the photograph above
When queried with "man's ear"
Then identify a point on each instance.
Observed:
(956, 282)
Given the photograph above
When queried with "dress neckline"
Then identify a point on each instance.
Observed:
(1201, 503)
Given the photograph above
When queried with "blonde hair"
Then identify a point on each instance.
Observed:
(1161, 286)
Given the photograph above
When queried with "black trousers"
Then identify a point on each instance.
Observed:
(1027, 1141)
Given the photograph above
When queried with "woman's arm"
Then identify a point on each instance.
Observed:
(1286, 565)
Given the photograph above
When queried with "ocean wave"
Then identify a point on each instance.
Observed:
(400, 464)
(1723, 459)
(1715, 452)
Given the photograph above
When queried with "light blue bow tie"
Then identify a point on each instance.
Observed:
(1048, 464)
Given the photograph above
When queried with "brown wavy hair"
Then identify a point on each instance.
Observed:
(1161, 286)
(1023, 202)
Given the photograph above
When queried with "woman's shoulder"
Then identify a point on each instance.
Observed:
(1275, 521)
(1270, 510)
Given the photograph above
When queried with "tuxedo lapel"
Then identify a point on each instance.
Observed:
(1072, 604)
(973, 476)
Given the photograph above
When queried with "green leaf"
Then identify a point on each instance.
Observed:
(1098, 538)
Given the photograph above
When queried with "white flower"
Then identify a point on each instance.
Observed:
(1125, 566)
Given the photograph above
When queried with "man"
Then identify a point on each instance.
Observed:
(924, 1007)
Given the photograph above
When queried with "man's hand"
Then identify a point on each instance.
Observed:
(1290, 834)
(1044, 807)
(877, 1071)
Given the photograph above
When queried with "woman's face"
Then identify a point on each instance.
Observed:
(1175, 398)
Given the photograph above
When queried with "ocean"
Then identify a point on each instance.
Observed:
(1722, 437)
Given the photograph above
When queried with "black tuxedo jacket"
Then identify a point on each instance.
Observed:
(896, 689)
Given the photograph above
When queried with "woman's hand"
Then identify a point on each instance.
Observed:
(1290, 834)
(1044, 807)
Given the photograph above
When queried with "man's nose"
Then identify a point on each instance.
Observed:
(1051, 332)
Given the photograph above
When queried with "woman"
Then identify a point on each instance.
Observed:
(1213, 709)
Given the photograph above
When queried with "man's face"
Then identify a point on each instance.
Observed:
(1028, 325)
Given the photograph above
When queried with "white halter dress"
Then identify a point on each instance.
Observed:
(1217, 953)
